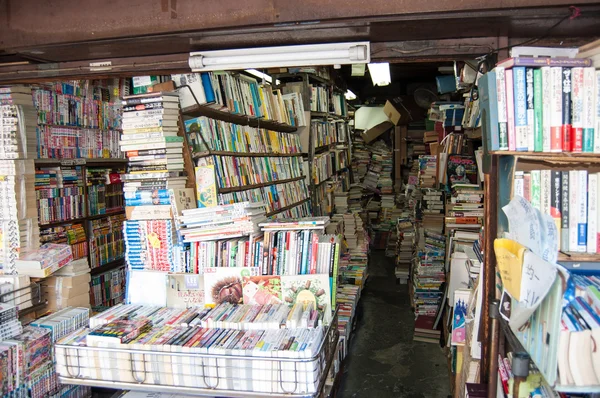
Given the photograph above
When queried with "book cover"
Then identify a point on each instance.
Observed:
(536, 186)
(225, 284)
(489, 91)
(538, 127)
(459, 325)
(206, 187)
(502, 112)
(545, 191)
(578, 142)
(544, 61)
(461, 169)
(589, 105)
(546, 108)
(510, 110)
(567, 144)
(556, 115)
(582, 209)
(555, 200)
(520, 107)
(592, 218)
(529, 79)
(564, 211)
(262, 290)
(597, 114)
(313, 288)
(573, 209)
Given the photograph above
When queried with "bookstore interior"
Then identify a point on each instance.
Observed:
(210, 232)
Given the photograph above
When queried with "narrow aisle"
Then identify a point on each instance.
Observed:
(383, 360)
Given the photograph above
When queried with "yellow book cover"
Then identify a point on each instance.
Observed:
(509, 257)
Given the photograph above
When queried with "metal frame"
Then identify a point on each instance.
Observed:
(212, 369)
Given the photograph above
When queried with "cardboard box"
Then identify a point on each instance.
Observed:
(166, 87)
(66, 292)
(67, 281)
(375, 131)
(82, 300)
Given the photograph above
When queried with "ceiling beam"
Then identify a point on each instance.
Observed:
(30, 23)
(428, 50)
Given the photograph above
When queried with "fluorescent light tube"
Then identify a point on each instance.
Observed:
(350, 95)
(284, 56)
(380, 73)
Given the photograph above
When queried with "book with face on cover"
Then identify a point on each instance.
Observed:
(224, 284)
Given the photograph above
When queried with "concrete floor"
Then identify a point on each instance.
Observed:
(383, 360)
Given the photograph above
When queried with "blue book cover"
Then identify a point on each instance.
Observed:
(488, 101)
(520, 102)
(209, 92)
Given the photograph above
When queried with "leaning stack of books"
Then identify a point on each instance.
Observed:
(433, 210)
(405, 231)
(429, 274)
(465, 210)
(428, 171)
(18, 211)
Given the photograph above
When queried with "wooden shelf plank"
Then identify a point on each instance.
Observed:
(81, 219)
(108, 266)
(108, 214)
(266, 184)
(90, 162)
(201, 110)
(581, 257)
(556, 158)
(287, 207)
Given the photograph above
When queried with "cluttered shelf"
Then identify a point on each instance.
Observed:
(202, 110)
(80, 219)
(287, 207)
(203, 154)
(63, 126)
(253, 186)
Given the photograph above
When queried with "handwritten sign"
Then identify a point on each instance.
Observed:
(537, 279)
(509, 257)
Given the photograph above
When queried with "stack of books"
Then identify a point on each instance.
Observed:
(428, 171)
(71, 234)
(355, 198)
(361, 157)
(18, 210)
(433, 210)
(347, 299)
(62, 291)
(429, 274)
(405, 232)
(108, 289)
(465, 210)
(10, 326)
(424, 330)
(44, 261)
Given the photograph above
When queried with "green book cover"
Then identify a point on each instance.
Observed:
(538, 128)
(536, 188)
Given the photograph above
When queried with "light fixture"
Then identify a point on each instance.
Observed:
(380, 73)
(350, 95)
(284, 56)
(262, 76)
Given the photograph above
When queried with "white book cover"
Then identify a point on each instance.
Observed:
(582, 206)
(589, 105)
(546, 110)
(545, 191)
(592, 213)
(194, 81)
(314, 288)
(597, 113)
(573, 211)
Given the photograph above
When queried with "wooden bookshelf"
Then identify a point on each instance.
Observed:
(204, 154)
(578, 257)
(63, 222)
(253, 186)
(287, 207)
(107, 214)
(552, 157)
(318, 114)
(243, 120)
(108, 266)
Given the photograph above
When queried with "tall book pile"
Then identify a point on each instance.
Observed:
(155, 155)
(361, 157)
(428, 276)
(545, 109)
(465, 210)
(571, 198)
(405, 233)
(354, 263)
(347, 299)
(18, 219)
(428, 171)
(433, 210)
(355, 198)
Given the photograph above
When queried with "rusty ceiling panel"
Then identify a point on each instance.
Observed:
(27, 23)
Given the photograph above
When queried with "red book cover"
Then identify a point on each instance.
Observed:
(315, 249)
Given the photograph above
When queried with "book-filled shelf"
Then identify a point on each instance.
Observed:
(542, 164)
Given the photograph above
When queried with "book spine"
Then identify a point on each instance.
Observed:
(546, 109)
(582, 211)
(527, 186)
(592, 213)
(597, 113)
(556, 140)
(597, 243)
(519, 184)
(538, 127)
(573, 209)
(578, 141)
(567, 144)
(589, 106)
(555, 200)
(530, 90)
(510, 110)
(536, 186)
(520, 105)
(502, 111)
(564, 212)
(545, 191)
